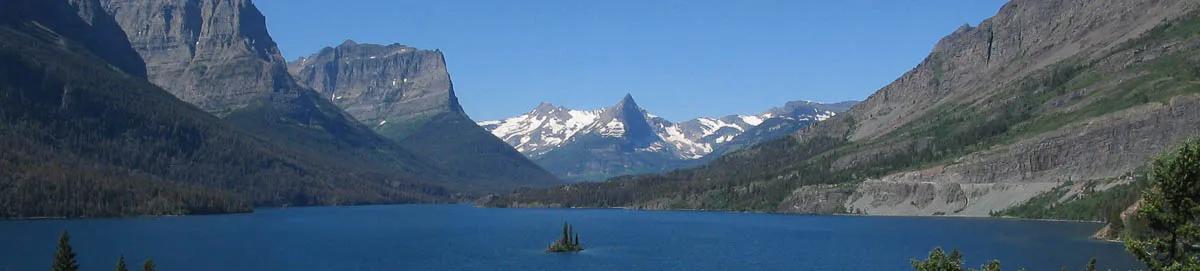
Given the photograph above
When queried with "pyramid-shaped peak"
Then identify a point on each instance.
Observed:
(628, 98)
(627, 102)
(545, 107)
(348, 42)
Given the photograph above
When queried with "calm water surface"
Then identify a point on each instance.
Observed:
(459, 237)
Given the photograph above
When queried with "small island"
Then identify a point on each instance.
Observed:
(569, 242)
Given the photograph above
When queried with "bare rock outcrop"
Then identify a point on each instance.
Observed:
(214, 54)
(992, 180)
(380, 85)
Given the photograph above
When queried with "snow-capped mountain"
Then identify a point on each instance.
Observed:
(626, 139)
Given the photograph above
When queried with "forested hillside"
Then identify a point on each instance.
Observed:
(81, 137)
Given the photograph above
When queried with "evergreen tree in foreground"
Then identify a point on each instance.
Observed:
(64, 257)
(1171, 209)
(939, 261)
(121, 264)
(148, 265)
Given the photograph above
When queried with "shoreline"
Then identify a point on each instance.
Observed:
(253, 210)
(804, 214)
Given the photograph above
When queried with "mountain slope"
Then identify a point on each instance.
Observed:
(218, 56)
(626, 139)
(81, 137)
(1042, 94)
(406, 95)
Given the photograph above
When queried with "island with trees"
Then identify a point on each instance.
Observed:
(569, 242)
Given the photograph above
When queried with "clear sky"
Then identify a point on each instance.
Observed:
(679, 58)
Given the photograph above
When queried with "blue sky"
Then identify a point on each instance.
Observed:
(680, 59)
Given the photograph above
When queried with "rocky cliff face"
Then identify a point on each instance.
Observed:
(216, 55)
(381, 85)
(406, 95)
(992, 180)
(1023, 37)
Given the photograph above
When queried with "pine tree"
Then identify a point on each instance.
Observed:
(121, 264)
(566, 232)
(1091, 265)
(1171, 208)
(64, 257)
(993, 265)
(576, 242)
(148, 265)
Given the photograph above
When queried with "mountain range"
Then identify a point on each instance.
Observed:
(592, 145)
(87, 134)
(115, 107)
(1054, 100)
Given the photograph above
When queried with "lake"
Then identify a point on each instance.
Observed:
(461, 237)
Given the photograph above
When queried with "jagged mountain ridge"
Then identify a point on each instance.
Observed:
(1043, 94)
(638, 141)
(406, 94)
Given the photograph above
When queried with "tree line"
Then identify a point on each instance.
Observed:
(64, 258)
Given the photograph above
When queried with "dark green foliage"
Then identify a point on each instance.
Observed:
(1091, 266)
(1171, 210)
(993, 265)
(568, 242)
(740, 181)
(64, 256)
(121, 264)
(938, 260)
(148, 265)
(79, 138)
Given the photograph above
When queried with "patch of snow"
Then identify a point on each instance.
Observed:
(711, 126)
(687, 148)
(825, 115)
(656, 147)
(724, 138)
(752, 120)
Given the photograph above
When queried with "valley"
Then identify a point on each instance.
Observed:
(121, 119)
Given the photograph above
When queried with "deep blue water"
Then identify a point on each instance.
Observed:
(459, 237)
